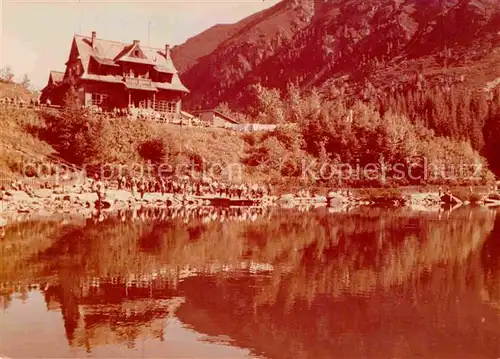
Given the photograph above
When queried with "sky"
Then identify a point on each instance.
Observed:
(36, 35)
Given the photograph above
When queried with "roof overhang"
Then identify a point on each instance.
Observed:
(171, 87)
(106, 62)
(136, 61)
(138, 88)
(225, 117)
(164, 69)
(101, 78)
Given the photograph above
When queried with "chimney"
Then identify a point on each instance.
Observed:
(167, 51)
(136, 42)
(94, 35)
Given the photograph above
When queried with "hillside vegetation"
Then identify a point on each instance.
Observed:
(14, 90)
(320, 143)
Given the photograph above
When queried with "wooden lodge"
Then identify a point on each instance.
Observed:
(113, 75)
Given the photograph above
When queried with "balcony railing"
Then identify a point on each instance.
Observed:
(134, 81)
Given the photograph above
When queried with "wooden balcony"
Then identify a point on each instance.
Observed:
(139, 84)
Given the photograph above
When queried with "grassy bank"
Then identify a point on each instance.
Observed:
(18, 144)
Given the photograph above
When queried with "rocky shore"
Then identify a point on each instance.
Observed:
(49, 202)
(57, 200)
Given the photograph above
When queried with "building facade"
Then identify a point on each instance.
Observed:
(111, 74)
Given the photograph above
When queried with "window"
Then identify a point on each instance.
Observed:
(172, 106)
(99, 99)
(136, 53)
(166, 106)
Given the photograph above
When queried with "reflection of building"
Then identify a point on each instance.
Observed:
(101, 311)
(122, 323)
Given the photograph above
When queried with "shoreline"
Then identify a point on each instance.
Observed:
(51, 202)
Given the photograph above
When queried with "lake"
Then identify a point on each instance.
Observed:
(254, 283)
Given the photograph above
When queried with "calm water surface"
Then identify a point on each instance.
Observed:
(254, 284)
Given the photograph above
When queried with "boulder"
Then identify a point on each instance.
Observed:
(18, 196)
(119, 195)
(104, 203)
(334, 196)
(42, 193)
(121, 204)
(335, 202)
(87, 197)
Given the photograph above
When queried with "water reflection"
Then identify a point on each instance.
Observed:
(204, 214)
(287, 284)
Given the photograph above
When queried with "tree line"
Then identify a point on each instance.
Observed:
(448, 127)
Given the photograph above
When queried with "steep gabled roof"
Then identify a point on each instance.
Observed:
(55, 79)
(108, 52)
(56, 76)
(125, 51)
(114, 51)
(128, 55)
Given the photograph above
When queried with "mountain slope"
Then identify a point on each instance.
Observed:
(346, 43)
(240, 49)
